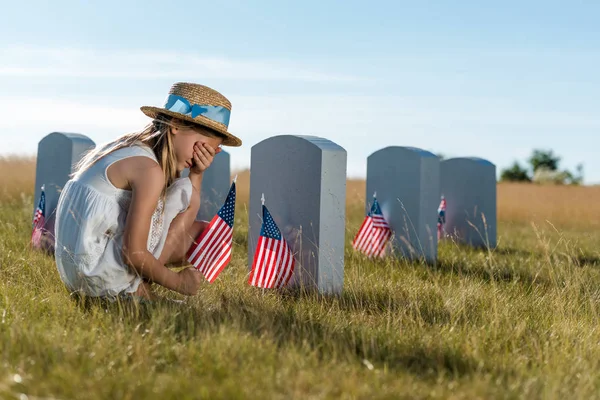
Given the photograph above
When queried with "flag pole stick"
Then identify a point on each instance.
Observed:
(262, 200)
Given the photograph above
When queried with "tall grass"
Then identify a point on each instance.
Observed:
(564, 206)
(17, 176)
(518, 322)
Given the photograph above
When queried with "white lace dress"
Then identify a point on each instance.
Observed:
(90, 220)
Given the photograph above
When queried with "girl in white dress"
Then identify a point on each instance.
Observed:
(126, 213)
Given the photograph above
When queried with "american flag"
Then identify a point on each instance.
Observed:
(374, 233)
(39, 219)
(442, 206)
(273, 263)
(211, 251)
(441, 217)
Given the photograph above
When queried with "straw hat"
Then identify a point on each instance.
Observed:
(198, 104)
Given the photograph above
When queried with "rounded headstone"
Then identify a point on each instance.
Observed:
(58, 153)
(407, 183)
(469, 186)
(303, 179)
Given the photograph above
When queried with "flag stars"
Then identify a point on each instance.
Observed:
(269, 228)
(376, 210)
(227, 211)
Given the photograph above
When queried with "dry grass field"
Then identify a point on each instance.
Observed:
(518, 321)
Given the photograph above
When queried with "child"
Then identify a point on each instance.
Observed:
(126, 213)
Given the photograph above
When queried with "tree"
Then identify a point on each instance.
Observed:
(544, 170)
(577, 178)
(515, 173)
(544, 159)
(545, 175)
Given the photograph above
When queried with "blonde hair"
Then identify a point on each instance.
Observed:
(156, 136)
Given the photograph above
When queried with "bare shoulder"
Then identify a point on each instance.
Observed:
(145, 175)
(131, 171)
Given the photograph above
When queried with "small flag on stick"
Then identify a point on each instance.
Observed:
(374, 233)
(39, 219)
(211, 251)
(273, 263)
(441, 218)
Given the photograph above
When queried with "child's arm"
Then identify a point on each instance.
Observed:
(147, 181)
(182, 224)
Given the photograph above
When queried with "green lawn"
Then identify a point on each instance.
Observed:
(519, 322)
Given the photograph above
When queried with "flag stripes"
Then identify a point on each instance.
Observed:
(273, 263)
(374, 233)
(213, 249)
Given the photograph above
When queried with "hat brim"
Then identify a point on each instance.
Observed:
(229, 140)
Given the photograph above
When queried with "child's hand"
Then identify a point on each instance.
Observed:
(203, 157)
(189, 281)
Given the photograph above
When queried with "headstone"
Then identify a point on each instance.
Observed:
(57, 155)
(215, 186)
(303, 179)
(469, 187)
(407, 183)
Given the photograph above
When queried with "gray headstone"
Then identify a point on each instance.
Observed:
(215, 186)
(57, 155)
(407, 183)
(303, 179)
(469, 186)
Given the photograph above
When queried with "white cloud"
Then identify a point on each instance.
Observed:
(492, 129)
(141, 64)
(25, 112)
(386, 113)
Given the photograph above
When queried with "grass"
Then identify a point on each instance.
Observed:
(521, 321)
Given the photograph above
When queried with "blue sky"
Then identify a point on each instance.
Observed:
(460, 78)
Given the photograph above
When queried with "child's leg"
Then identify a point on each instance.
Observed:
(178, 243)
